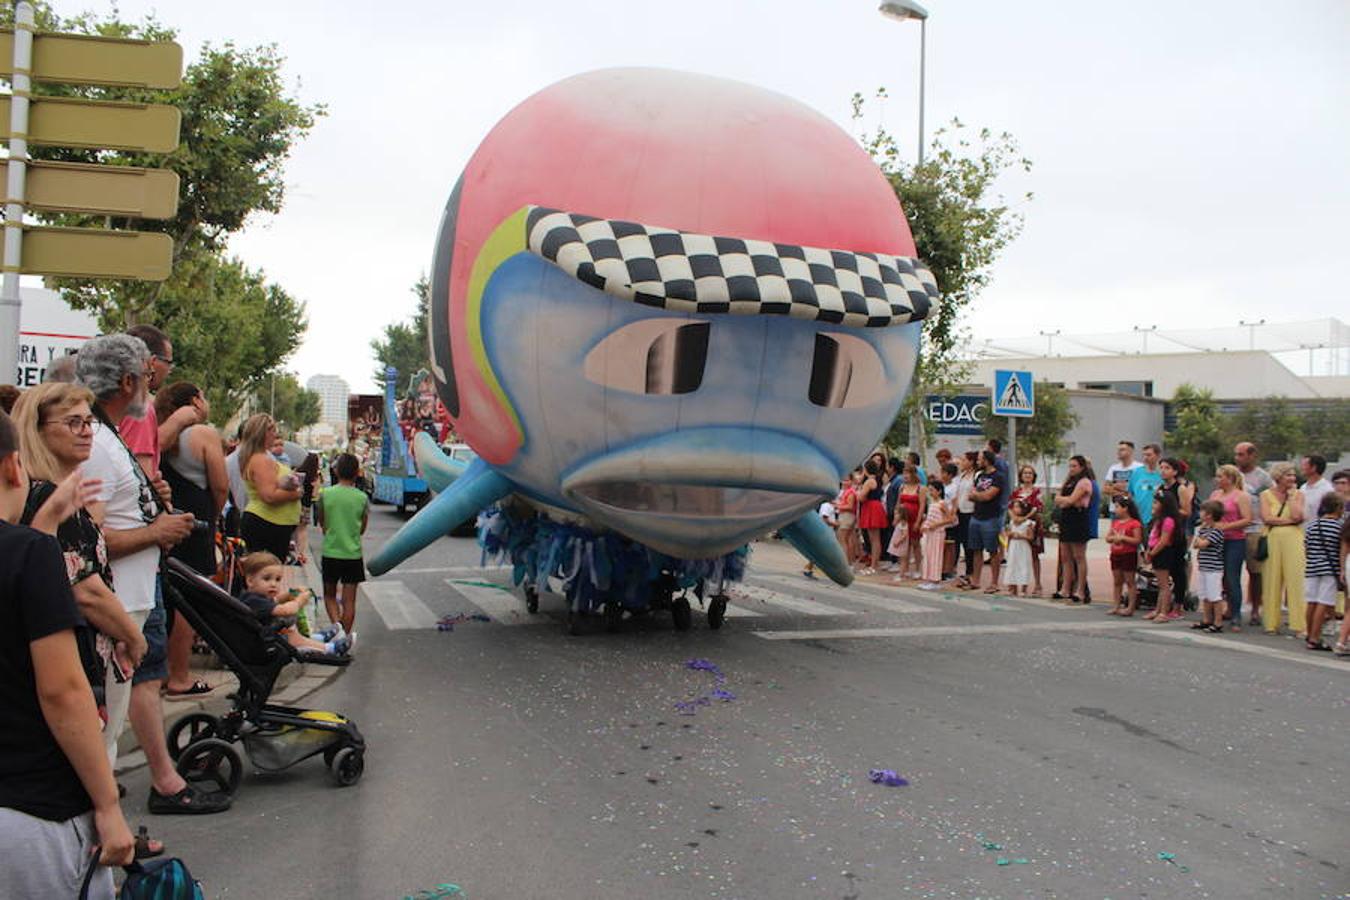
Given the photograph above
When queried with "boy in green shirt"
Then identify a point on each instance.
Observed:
(342, 511)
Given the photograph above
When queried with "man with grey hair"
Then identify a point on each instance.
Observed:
(137, 525)
(61, 369)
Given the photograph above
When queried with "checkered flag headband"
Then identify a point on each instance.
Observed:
(699, 273)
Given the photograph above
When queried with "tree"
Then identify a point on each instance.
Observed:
(404, 345)
(1040, 436)
(1272, 424)
(286, 400)
(1326, 428)
(960, 227)
(230, 328)
(1198, 437)
(239, 123)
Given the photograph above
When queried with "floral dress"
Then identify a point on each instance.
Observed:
(82, 547)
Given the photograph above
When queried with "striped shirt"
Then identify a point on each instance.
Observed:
(1210, 558)
(1322, 546)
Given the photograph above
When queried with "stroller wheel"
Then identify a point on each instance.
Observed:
(189, 729)
(531, 599)
(347, 766)
(212, 765)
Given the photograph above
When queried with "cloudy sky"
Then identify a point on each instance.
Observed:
(1190, 159)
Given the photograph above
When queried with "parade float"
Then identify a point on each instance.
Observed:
(668, 311)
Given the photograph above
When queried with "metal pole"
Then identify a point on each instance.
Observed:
(1012, 452)
(923, 52)
(10, 300)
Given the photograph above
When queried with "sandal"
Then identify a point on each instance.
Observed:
(1214, 629)
(198, 687)
(1198, 626)
(1318, 645)
(1152, 615)
(188, 801)
(144, 850)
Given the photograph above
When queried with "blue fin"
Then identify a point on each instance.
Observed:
(814, 540)
(477, 488)
(437, 470)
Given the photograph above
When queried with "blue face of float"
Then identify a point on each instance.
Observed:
(688, 433)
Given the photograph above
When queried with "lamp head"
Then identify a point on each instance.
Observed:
(903, 9)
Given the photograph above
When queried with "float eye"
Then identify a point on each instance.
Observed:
(845, 372)
(654, 356)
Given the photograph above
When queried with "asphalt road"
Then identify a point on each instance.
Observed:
(1094, 758)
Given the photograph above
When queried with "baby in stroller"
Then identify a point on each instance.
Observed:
(263, 579)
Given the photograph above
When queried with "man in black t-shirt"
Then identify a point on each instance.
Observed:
(988, 491)
(57, 793)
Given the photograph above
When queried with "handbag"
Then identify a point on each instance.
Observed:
(1263, 543)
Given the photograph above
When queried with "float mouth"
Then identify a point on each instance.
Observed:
(704, 492)
(691, 500)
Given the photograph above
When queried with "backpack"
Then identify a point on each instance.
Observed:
(155, 879)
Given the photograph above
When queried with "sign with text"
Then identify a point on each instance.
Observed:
(961, 414)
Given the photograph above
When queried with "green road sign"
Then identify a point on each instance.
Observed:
(89, 59)
(100, 190)
(96, 253)
(97, 124)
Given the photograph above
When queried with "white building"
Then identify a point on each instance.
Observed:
(1245, 362)
(332, 391)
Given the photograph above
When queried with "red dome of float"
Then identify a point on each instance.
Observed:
(664, 148)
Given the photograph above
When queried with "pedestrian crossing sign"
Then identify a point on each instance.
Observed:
(1014, 393)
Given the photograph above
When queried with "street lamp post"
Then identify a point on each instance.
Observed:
(1144, 330)
(901, 10)
(1251, 333)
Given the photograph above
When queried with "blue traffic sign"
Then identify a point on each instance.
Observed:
(1014, 393)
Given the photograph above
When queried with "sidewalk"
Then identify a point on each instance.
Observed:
(295, 682)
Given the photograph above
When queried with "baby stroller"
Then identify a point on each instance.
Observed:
(274, 737)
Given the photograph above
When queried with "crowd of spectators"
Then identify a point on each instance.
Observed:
(1274, 542)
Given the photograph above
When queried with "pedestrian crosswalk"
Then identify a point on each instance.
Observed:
(498, 601)
(397, 606)
(763, 595)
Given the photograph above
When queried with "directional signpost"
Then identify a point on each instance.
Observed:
(114, 191)
(1015, 397)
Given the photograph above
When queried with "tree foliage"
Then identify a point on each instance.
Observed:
(1272, 424)
(292, 405)
(404, 344)
(239, 123)
(960, 225)
(1040, 436)
(1199, 434)
(1326, 428)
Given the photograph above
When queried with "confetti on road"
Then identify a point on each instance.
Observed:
(448, 623)
(887, 777)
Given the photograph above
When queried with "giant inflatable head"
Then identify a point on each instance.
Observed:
(678, 305)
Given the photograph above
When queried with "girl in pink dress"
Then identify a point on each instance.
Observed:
(939, 517)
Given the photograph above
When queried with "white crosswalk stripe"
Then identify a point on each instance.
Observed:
(878, 598)
(825, 634)
(767, 600)
(397, 606)
(498, 601)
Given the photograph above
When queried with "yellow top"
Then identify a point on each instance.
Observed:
(287, 513)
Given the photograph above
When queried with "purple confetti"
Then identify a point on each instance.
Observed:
(887, 777)
(724, 696)
(448, 623)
